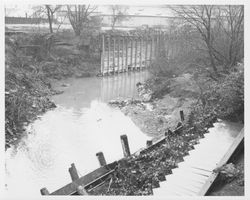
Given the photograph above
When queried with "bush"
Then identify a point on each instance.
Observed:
(227, 96)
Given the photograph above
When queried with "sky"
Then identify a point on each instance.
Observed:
(19, 10)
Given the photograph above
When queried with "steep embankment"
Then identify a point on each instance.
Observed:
(32, 61)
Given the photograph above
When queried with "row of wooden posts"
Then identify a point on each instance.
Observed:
(102, 161)
(128, 53)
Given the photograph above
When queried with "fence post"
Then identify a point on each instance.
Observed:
(151, 50)
(125, 146)
(103, 55)
(118, 54)
(114, 55)
(146, 52)
(101, 158)
(135, 54)
(122, 54)
(73, 172)
(140, 53)
(156, 45)
(44, 191)
(131, 54)
(126, 59)
(108, 55)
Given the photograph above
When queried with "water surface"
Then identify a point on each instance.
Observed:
(81, 125)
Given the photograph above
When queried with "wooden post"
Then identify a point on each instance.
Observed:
(126, 59)
(114, 55)
(101, 158)
(156, 46)
(146, 52)
(149, 143)
(122, 53)
(118, 55)
(73, 172)
(151, 50)
(81, 190)
(125, 146)
(44, 191)
(135, 53)
(182, 115)
(140, 53)
(103, 55)
(108, 55)
(131, 54)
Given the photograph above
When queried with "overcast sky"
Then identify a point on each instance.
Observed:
(20, 10)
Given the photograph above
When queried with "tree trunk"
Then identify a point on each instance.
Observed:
(50, 18)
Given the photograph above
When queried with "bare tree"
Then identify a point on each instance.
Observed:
(231, 21)
(79, 16)
(119, 13)
(220, 28)
(200, 17)
(48, 11)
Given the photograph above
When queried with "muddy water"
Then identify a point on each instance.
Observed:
(81, 125)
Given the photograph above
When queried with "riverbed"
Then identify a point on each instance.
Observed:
(81, 125)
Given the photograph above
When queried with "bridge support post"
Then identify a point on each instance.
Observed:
(73, 172)
(44, 191)
(125, 146)
(101, 158)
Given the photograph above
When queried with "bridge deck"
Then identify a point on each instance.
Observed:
(194, 175)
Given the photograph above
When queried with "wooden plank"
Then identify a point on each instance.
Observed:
(118, 54)
(103, 55)
(223, 161)
(85, 180)
(135, 53)
(146, 52)
(126, 52)
(131, 54)
(151, 50)
(108, 55)
(122, 54)
(114, 43)
(140, 53)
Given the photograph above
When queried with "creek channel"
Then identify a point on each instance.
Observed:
(81, 125)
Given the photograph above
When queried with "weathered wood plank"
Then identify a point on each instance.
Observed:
(223, 161)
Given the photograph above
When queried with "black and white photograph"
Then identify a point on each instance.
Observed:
(123, 99)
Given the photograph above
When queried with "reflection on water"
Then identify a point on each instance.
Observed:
(82, 125)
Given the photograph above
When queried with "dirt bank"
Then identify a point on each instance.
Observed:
(30, 68)
(155, 113)
(155, 116)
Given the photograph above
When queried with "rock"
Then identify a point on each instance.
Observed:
(65, 85)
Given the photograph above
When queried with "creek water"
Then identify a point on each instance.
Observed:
(81, 125)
